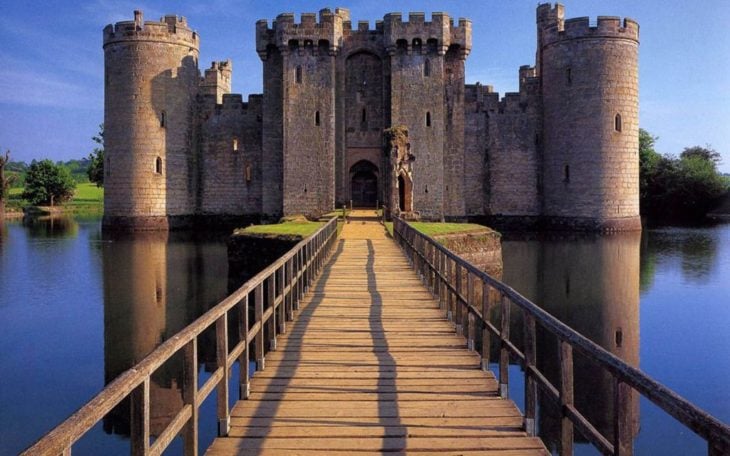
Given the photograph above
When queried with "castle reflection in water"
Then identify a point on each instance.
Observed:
(590, 283)
(155, 284)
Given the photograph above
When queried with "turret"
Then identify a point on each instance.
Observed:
(151, 82)
(589, 77)
(216, 81)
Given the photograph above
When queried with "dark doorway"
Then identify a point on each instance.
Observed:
(405, 193)
(364, 184)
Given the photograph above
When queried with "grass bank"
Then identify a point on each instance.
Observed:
(87, 199)
(289, 228)
(440, 228)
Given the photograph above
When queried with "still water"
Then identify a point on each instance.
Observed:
(77, 308)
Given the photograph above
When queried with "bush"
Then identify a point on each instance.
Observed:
(47, 184)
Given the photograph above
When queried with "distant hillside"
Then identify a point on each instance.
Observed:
(77, 168)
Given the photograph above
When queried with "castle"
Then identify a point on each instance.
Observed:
(373, 116)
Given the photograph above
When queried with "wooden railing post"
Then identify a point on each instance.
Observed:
(190, 396)
(459, 319)
(281, 318)
(291, 295)
(221, 350)
(258, 315)
(530, 382)
(623, 442)
(566, 397)
(443, 300)
(271, 297)
(504, 351)
(486, 335)
(469, 315)
(298, 273)
(244, 371)
(449, 293)
(140, 419)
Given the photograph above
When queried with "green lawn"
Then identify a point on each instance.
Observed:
(88, 198)
(436, 229)
(298, 228)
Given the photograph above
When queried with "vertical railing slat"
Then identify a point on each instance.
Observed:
(504, 351)
(566, 397)
(486, 335)
(271, 298)
(221, 350)
(259, 338)
(459, 318)
(530, 382)
(140, 419)
(622, 432)
(190, 396)
(244, 371)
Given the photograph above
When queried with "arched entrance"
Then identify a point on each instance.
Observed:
(405, 193)
(364, 184)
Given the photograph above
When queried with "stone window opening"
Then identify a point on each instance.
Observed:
(299, 74)
(428, 118)
(247, 173)
(163, 119)
(617, 122)
(235, 144)
(427, 68)
(569, 76)
(417, 45)
(316, 118)
(432, 44)
(364, 115)
(566, 173)
(401, 46)
(158, 165)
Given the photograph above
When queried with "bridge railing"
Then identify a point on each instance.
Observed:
(445, 273)
(280, 286)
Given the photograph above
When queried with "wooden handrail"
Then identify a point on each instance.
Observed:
(286, 280)
(435, 264)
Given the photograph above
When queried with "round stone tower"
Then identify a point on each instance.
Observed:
(589, 77)
(150, 86)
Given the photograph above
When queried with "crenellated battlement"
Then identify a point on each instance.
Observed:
(414, 35)
(436, 35)
(170, 29)
(309, 33)
(553, 27)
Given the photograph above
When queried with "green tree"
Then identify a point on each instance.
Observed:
(95, 170)
(684, 188)
(4, 183)
(705, 153)
(47, 183)
(648, 161)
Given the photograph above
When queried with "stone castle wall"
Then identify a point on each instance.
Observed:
(563, 149)
(230, 172)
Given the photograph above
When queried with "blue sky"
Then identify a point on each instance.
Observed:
(51, 61)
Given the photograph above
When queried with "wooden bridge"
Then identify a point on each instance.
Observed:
(374, 351)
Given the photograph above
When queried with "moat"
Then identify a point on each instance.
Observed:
(79, 307)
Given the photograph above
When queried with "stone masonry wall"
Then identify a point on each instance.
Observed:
(414, 97)
(231, 156)
(309, 130)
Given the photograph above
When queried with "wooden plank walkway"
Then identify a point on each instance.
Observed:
(371, 365)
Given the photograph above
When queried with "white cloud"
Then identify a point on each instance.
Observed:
(30, 88)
